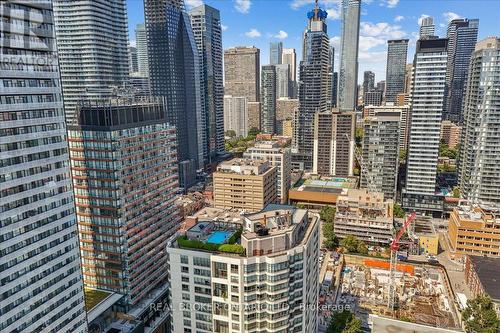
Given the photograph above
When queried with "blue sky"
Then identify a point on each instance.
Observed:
(257, 22)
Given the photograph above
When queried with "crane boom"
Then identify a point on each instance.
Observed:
(395, 242)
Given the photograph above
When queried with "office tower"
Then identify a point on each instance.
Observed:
(425, 129)
(408, 78)
(373, 97)
(42, 289)
(279, 157)
(236, 116)
(138, 86)
(276, 53)
(348, 71)
(368, 81)
(462, 38)
(450, 133)
(137, 194)
(290, 58)
(285, 108)
(381, 152)
(283, 82)
(381, 86)
(404, 126)
(313, 86)
(242, 72)
(279, 242)
(373, 226)
(479, 166)
(427, 28)
(142, 50)
(254, 116)
(396, 68)
(132, 60)
(268, 99)
(205, 21)
(245, 184)
(335, 87)
(334, 140)
(92, 49)
(175, 74)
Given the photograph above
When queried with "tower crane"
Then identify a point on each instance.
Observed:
(394, 260)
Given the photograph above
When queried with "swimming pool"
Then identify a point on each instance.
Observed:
(219, 237)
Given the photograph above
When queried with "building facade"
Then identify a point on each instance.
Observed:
(280, 158)
(267, 285)
(334, 141)
(242, 72)
(289, 57)
(427, 28)
(479, 150)
(236, 116)
(450, 133)
(207, 31)
(268, 99)
(425, 129)
(314, 83)
(245, 184)
(91, 35)
(124, 168)
(42, 288)
(462, 38)
(365, 215)
(373, 98)
(275, 53)
(404, 125)
(368, 81)
(381, 152)
(349, 45)
(132, 60)
(283, 82)
(474, 230)
(254, 116)
(396, 66)
(142, 49)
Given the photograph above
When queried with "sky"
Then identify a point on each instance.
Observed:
(258, 22)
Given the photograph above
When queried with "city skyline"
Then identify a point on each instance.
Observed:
(379, 23)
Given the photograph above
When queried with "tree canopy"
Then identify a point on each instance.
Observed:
(480, 316)
(398, 211)
(344, 322)
(354, 245)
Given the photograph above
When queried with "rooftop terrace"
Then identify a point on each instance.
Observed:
(326, 184)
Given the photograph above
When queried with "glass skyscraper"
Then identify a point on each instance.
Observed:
(276, 53)
(396, 67)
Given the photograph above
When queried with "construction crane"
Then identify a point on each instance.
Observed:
(394, 260)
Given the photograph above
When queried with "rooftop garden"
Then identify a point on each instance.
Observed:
(93, 297)
(229, 247)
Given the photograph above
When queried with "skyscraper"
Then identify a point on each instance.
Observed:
(276, 53)
(242, 72)
(268, 99)
(41, 288)
(462, 38)
(381, 151)
(142, 50)
(175, 73)
(289, 57)
(335, 89)
(236, 115)
(132, 60)
(368, 81)
(480, 150)
(313, 86)
(427, 27)
(92, 49)
(348, 71)
(283, 82)
(396, 66)
(205, 21)
(425, 129)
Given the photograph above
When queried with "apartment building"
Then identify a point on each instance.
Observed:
(255, 272)
(245, 184)
(404, 126)
(474, 230)
(365, 215)
(279, 157)
(450, 133)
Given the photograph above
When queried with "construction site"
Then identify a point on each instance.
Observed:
(421, 292)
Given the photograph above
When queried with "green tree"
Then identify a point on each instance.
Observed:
(331, 241)
(344, 322)
(480, 316)
(253, 132)
(456, 192)
(361, 248)
(359, 136)
(398, 211)
(327, 213)
(230, 133)
(402, 155)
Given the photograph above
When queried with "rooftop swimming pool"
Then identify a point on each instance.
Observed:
(219, 237)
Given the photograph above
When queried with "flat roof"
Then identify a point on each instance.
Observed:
(326, 184)
(98, 301)
(488, 272)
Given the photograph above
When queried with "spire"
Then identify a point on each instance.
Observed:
(316, 9)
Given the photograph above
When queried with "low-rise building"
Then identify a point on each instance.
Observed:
(481, 275)
(256, 272)
(474, 230)
(450, 133)
(279, 157)
(365, 215)
(425, 235)
(245, 184)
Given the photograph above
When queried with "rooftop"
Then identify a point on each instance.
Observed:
(477, 213)
(98, 301)
(333, 184)
(244, 166)
(488, 272)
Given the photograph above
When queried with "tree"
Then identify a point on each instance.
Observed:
(456, 192)
(402, 155)
(398, 211)
(331, 241)
(354, 245)
(480, 316)
(344, 322)
(253, 132)
(230, 133)
(327, 213)
(361, 248)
